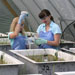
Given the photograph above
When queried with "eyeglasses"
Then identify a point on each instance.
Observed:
(44, 18)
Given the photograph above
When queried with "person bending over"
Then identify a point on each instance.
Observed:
(48, 32)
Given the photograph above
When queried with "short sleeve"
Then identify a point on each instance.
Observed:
(38, 29)
(9, 34)
(11, 40)
(56, 29)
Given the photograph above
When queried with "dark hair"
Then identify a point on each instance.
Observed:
(44, 13)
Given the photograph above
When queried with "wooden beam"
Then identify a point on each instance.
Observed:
(5, 2)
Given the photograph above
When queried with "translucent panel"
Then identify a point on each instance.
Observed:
(69, 32)
(60, 10)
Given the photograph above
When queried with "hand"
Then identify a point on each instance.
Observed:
(40, 41)
(25, 12)
(23, 15)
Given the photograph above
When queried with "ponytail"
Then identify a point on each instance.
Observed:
(52, 18)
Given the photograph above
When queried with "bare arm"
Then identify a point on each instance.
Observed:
(56, 41)
(15, 33)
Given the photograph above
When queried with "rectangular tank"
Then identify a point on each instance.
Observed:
(46, 67)
(9, 65)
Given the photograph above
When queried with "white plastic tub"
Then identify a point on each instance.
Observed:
(65, 73)
(11, 67)
(45, 68)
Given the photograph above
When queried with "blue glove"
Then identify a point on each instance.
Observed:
(40, 41)
(23, 15)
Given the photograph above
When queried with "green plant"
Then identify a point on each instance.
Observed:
(56, 56)
(2, 59)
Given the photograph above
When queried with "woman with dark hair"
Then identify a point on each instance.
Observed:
(48, 32)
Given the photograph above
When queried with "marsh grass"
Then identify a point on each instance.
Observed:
(4, 43)
(2, 59)
(40, 58)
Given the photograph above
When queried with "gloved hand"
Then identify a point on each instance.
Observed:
(40, 41)
(23, 15)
